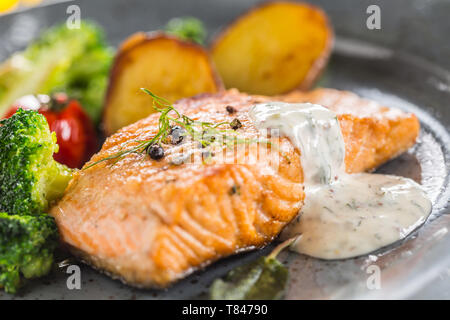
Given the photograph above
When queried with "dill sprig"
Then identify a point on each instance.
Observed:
(200, 131)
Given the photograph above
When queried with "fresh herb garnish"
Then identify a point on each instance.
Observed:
(352, 204)
(170, 120)
(263, 279)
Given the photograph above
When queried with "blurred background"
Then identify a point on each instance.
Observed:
(414, 26)
(11, 5)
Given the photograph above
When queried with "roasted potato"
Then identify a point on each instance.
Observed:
(169, 67)
(274, 48)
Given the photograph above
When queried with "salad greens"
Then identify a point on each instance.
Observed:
(75, 61)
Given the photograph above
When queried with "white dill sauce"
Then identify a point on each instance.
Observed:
(344, 215)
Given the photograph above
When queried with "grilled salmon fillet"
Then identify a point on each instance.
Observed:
(151, 222)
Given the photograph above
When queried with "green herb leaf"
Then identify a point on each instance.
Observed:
(266, 279)
(187, 28)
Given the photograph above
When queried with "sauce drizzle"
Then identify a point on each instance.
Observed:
(344, 215)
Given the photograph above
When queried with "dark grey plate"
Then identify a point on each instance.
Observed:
(404, 65)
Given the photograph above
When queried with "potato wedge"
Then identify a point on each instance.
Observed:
(274, 48)
(167, 66)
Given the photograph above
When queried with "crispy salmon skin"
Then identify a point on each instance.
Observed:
(151, 222)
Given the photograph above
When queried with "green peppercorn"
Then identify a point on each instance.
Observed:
(235, 124)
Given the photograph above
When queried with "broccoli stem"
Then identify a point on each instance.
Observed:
(58, 182)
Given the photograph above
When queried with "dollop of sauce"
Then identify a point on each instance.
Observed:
(344, 215)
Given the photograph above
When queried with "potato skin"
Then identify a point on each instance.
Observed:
(257, 86)
(170, 67)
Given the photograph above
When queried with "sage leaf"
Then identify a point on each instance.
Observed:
(263, 279)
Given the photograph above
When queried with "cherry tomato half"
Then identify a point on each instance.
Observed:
(74, 130)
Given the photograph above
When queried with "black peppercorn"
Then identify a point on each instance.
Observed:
(155, 151)
(235, 190)
(235, 124)
(230, 109)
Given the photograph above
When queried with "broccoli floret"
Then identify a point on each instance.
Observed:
(29, 176)
(29, 179)
(27, 244)
(187, 28)
(75, 61)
